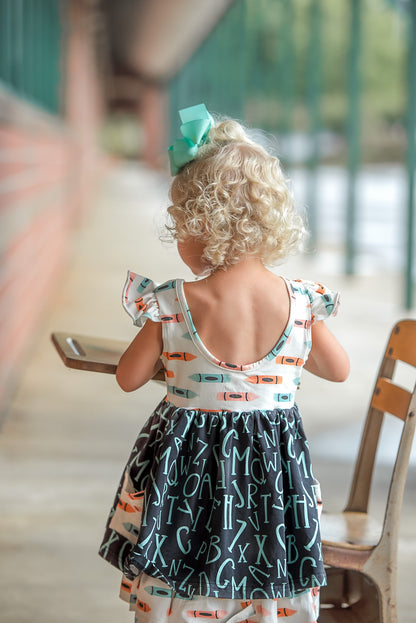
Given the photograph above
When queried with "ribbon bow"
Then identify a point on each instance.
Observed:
(196, 123)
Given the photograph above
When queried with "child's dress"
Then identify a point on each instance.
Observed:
(216, 516)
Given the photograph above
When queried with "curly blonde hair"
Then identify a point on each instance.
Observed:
(235, 199)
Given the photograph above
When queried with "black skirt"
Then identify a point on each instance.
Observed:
(220, 504)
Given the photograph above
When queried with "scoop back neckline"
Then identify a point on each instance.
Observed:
(209, 355)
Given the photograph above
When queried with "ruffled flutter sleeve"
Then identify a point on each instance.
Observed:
(139, 299)
(324, 302)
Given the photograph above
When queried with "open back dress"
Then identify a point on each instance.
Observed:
(217, 512)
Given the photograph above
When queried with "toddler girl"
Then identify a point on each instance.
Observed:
(217, 513)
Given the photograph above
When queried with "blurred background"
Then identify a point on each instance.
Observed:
(89, 99)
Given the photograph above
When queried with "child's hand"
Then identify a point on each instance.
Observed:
(141, 360)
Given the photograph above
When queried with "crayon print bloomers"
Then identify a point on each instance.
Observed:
(217, 512)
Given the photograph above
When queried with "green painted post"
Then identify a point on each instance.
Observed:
(287, 65)
(172, 108)
(215, 73)
(353, 131)
(254, 76)
(17, 43)
(314, 86)
(411, 156)
(30, 43)
(233, 33)
(209, 69)
(227, 67)
(55, 56)
(243, 64)
(41, 74)
(51, 55)
(4, 40)
(35, 52)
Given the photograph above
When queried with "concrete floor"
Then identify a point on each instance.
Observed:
(66, 434)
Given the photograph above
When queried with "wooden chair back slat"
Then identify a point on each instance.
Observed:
(402, 342)
(391, 398)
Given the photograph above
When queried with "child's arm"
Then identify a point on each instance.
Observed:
(141, 360)
(327, 358)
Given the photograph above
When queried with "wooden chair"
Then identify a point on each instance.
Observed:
(360, 553)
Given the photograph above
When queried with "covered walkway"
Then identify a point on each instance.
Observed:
(67, 434)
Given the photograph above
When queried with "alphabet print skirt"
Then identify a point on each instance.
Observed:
(217, 518)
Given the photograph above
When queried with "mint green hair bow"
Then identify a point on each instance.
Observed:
(196, 123)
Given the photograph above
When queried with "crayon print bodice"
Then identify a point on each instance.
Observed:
(196, 379)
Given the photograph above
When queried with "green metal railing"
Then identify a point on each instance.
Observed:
(411, 159)
(206, 76)
(313, 94)
(353, 133)
(304, 66)
(30, 50)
